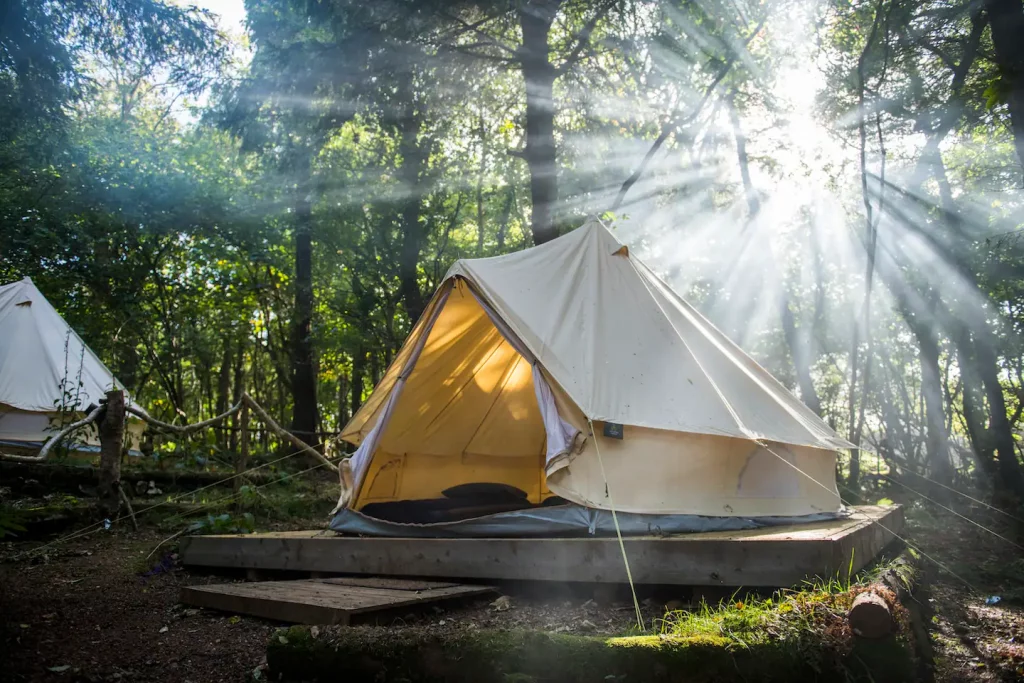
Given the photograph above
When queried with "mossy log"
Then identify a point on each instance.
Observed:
(485, 656)
(871, 615)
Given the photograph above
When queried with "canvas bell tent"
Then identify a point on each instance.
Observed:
(48, 376)
(570, 377)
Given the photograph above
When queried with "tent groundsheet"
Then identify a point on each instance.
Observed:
(562, 521)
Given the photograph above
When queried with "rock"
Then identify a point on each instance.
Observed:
(587, 625)
(502, 604)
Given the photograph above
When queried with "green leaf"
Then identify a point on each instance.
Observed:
(996, 93)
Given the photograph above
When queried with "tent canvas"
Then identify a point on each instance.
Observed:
(520, 361)
(48, 375)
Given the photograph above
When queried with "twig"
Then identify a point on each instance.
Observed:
(128, 503)
(284, 433)
(167, 540)
(183, 429)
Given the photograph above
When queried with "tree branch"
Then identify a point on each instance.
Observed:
(475, 28)
(675, 122)
(583, 38)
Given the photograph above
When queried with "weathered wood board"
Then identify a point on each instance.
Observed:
(325, 601)
(772, 556)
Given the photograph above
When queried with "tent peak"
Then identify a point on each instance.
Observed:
(593, 228)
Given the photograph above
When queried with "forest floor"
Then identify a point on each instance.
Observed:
(976, 599)
(94, 609)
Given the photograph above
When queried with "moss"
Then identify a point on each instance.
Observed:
(418, 656)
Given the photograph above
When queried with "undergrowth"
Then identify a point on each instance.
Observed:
(812, 619)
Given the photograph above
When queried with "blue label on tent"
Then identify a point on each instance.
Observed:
(613, 430)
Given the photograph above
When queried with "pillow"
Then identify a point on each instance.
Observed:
(487, 492)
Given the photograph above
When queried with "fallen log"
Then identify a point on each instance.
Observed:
(871, 615)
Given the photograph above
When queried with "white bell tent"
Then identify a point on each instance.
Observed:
(48, 375)
(571, 370)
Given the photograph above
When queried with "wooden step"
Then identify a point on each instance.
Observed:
(341, 600)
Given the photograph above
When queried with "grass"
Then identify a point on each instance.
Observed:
(811, 621)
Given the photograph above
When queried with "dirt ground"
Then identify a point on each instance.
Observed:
(83, 612)
(976, 598)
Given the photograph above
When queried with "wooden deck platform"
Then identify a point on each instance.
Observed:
(326, 601)
(774, 556)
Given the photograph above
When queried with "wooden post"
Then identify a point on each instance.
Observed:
(111, 443)
(242, 456)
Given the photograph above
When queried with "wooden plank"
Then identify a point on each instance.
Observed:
(855, 549)
(776, 556)
(316, 601)
(394, 584)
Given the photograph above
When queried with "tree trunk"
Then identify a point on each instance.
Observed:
(358, 374)
(414, 152)
(242, 455)
(236, 394)
(977, 432)
(937, 442)
(539, 78)
(506, 213)
(798, 351)
(223, 391)
(343, 405)
(853, 477)
(304, 404)
(999, 435)
(1000, 429)
(1006, 19)
(375, 370)
(364, 307)
(480, 233)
